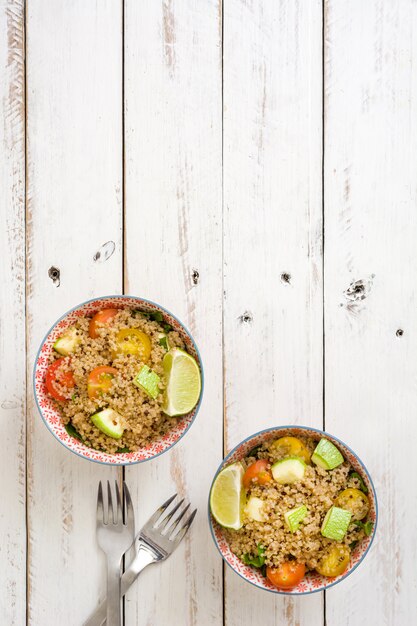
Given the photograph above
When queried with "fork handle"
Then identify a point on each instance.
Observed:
(113, 604)
(142, 558)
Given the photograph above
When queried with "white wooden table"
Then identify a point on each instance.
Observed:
(252, 165)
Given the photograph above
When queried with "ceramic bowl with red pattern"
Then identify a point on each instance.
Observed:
(49, 411)
(312, 581)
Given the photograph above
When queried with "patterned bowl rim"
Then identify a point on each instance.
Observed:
(321, 432)
(133, 298)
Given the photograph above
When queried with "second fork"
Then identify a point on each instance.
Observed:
(114, 537)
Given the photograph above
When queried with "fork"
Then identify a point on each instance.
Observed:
(114, 538)
(154, 543)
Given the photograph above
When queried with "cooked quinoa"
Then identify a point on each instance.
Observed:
(143, 418)
(317, 490)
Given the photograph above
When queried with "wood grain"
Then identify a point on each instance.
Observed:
(272, 244)
(370, 287)
(214, 128)
(174, 256)
(12, 315)
(74, 206)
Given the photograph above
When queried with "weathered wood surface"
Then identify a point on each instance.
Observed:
(252, 166)
(12, 315)
(173, 230)
(272, 244)
(370, 182)
(74, 206)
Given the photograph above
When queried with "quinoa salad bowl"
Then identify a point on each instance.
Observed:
(292, 510)
(118, 380)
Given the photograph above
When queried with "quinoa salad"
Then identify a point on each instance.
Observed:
(121, 379)
(292, 505)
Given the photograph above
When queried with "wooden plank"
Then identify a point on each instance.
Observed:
(12, 314)
(173, 254)
(272, 243)
(74, 206)
(370, 286)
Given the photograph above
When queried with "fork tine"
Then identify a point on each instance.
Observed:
(130, 516)
(184, 530)
(155, 517)
(119, 510)
(176, 522)
(100, 510)
(166, 519)
(110, 513)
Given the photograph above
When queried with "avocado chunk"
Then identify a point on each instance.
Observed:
(326, 455)
(336, 523)
(147, 380)
(294, 517)
(68, 342)
(254, 509)
(288, 470)
(109, 422)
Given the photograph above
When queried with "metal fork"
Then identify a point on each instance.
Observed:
(155, 542)
(114, 538)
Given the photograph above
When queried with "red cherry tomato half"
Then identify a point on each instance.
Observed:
(287, 575)
(102, 317)
(56, 381)
(100, 380)
(257, 472)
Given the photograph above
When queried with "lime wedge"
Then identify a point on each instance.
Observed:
(326, 455)
(227, 497)
(183, 382)
(336, 523)
(294, 517)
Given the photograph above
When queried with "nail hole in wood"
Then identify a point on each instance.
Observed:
(400, 332)
(104, 252)
(246, 318)
(286, 278)
(55, 275)
(195, 276)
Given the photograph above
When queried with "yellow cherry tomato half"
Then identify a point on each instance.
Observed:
(355, 501)
(335, 561)
(291, 446)
(135, 342)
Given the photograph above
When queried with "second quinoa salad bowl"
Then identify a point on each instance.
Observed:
(118, 380)
(292, 510)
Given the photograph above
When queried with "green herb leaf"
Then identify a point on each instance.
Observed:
(74, 395)
(254, 451)
(156, 316)
(167, 327)
(73, 432)
(122, 450)
(366, 527)
(353, 545)
(362, 485)
(255, 561)
(163, 342)
(139, 312)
